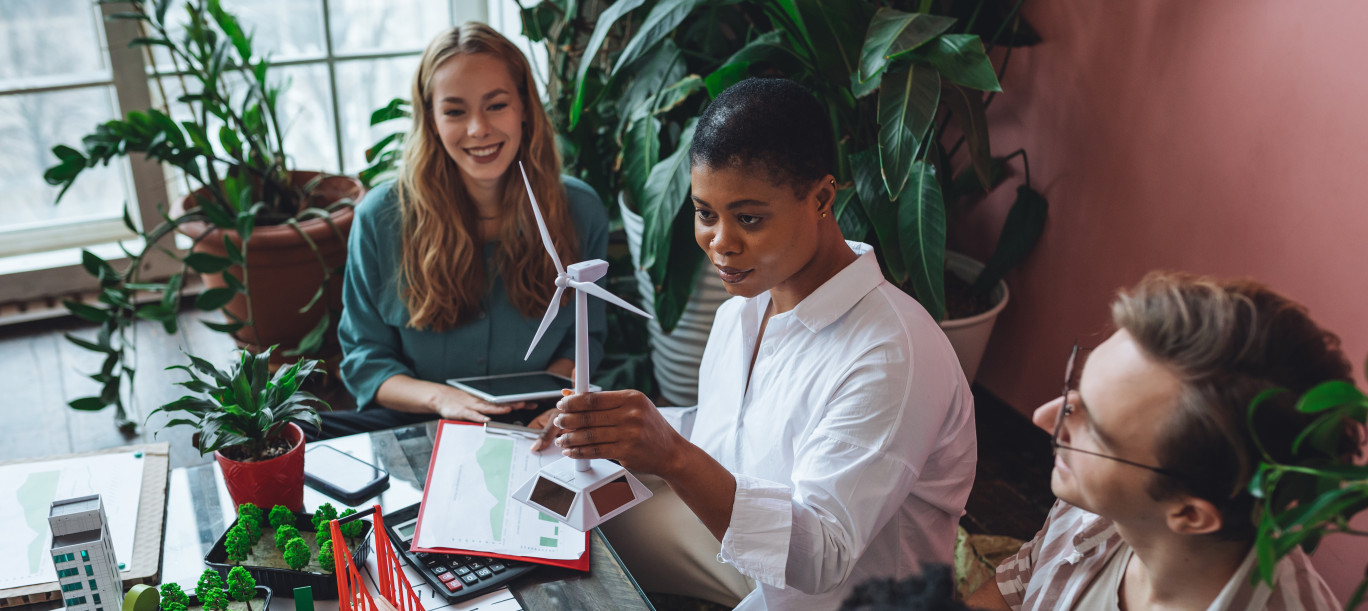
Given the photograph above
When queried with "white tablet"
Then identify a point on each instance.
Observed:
(511, 387)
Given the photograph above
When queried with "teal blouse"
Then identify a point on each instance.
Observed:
(378, 343)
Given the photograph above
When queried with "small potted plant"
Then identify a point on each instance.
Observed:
(293, 549)
(247, 418)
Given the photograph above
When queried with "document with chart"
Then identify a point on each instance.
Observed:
(468, 505)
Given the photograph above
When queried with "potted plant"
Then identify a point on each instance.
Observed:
(1318, 490)
(268, 240)
(286, 549)
(247, 417)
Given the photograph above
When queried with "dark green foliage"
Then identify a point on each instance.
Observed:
(281, 515)
(209, 590)
(326, 513)
(172, 606)
(241, 586)
(354, 528)
(252, 527)
(297, 553)
(246, 406)
(238, 543)
(172, 593)
(255, 512)
(284, 534)
(325, 557)
(231, 151)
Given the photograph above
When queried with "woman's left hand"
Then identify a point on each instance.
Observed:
(622, 425)
(548, 435)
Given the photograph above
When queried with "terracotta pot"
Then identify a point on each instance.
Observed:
(283, 272)
(278, 481)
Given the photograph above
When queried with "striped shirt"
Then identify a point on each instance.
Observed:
(1053, 570)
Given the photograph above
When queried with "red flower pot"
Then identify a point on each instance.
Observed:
(278, 481)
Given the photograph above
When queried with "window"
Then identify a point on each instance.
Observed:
(342, 58)
(85, 555)
(72, 602)
(90, 571)
(94, 597)
(60, 558)
(64, 573)
(72, 587)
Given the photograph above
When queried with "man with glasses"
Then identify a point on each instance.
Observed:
(1153, 455)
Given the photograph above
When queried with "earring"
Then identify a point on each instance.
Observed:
(823, 215)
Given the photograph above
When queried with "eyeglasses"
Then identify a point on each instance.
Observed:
(1065, 409)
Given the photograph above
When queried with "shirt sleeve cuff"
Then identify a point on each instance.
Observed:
(757, 539)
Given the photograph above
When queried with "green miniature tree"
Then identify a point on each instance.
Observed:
(282, 516)
(326, 513)
(173, 606)
(209, 590)
(353, 529)
(325, 557)
(241, 586)
(248, 509)
(237, 543)
(297, 553)
(251, 527)
(172, 593)
(284, 534)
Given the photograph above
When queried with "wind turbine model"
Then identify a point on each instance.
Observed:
(581, 493)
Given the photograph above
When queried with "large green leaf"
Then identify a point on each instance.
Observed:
(1020, 232)
(681, 271)
(849, 216)
(907, 108)
(881, 211)
(967, 107)
(837, 31)
(652, 73)
(640, 153)
(961, 60)
(893, 32)
(666, 192)
(921, 231)
(726, 76)
(660, 22)
(605, 23)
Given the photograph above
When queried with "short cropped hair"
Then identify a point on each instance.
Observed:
(771, 125)
(1227, 341)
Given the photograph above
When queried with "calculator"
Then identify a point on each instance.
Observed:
(455, 576)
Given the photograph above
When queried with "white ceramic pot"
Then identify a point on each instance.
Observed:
(969, 336)
(675, 356)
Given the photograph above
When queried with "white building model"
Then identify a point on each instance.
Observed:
(84, 554)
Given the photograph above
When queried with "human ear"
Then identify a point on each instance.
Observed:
(826, 193)
(1190, 515)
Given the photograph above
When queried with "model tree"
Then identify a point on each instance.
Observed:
(325, 557)
(352, 529)
(172, 606)
(237, 543)
(241, 586)
(172, 593)
(326, 513)
(282, 516)
(297, 553)
(283, 535)
(209, 590)
(251, 527)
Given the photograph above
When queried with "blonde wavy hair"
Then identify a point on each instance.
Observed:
(443, 273)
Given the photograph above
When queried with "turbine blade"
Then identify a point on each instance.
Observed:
(602, 293)
(541, 223)
(551, 310)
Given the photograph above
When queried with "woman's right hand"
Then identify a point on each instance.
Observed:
(456, 404)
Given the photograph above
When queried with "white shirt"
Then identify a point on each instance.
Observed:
(853, 445)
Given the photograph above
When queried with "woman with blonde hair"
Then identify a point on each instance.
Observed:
(445, 277)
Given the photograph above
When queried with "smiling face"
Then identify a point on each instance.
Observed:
(478, 115)
(1123, 398)
(758, 235)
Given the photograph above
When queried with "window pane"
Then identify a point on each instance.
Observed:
(366, 26)
(281, 29)
(45, 38)
(30, 125)
(365, 86)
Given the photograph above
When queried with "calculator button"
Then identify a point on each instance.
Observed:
(484, 573)
(453, 585)
(438, 570)
(497, 568)
(476, 564)
(469, 578)
(461, 570)
(447, 577)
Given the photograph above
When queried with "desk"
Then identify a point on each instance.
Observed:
(199, 510)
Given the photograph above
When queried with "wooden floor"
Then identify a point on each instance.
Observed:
(41, 371)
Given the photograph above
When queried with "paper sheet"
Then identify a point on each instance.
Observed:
(469, 503)
(26, 494)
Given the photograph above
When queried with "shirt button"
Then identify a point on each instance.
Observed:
(768, 350)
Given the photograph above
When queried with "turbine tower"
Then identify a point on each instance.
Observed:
(581, 493)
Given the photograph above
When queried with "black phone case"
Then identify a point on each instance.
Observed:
(350, 497)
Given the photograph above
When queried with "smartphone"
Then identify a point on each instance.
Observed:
(341, 475)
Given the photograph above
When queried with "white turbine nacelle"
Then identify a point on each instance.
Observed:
(581, 493)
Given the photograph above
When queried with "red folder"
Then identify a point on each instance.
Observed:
(579, 564)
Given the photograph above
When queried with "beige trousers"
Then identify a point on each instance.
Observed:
(667, 549)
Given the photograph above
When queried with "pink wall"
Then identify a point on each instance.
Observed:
(1225, 137)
